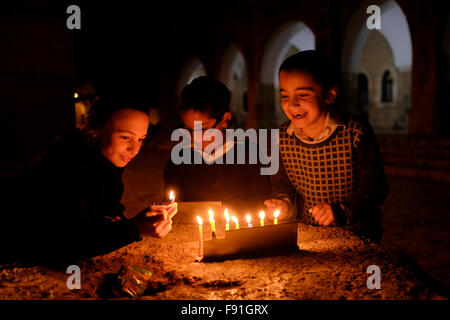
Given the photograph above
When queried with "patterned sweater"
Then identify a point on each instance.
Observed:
(345, 170)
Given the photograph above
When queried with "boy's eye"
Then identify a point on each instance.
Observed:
(124, 137)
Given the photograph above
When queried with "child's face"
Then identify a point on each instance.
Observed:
(122, 136)
(302, 99)
(190, 116)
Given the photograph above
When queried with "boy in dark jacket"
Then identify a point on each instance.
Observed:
(239, 186)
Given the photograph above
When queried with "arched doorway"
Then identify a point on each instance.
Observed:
(192, 68)
(288, 39)
(385, 55)
(363, 95)
(234, 75)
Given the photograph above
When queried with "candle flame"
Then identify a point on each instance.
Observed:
(276, 214)
(262, 214)
(171, 195)
(227, 216)
(248, 218)
(235, 220)
(211, 215)
(200, 221)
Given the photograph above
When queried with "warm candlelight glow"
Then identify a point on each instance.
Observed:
(227, 218)
(262, 215)
(249, 219)
(275, 215)
(75, 95)
(172, 196)
(235, 220)
(200, 236)
(213, 224)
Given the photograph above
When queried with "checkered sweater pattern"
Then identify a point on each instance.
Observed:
(322, 172)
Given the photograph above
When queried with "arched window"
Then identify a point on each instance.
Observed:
(386, 95)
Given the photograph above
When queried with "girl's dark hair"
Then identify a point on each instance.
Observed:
(208, 95)
(320, 67)
(103, 108)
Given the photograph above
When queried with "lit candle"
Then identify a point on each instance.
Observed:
(235, 220)
(275, 215)
(213, 224)
(172, 197)
(262, 214)
(249, 219)
(227, 218)
(200, 236)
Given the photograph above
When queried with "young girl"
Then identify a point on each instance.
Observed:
(331, 165)
(66, 206)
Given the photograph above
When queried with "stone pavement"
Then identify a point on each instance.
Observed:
(331, 264)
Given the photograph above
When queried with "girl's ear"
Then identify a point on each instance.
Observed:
(331, 95)
(226, 118)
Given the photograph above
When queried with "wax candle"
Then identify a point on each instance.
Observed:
(262, 214)
(236, 222)
(200, 236)
(275, 215)
(213, 224)
(249, 219)
(172, 197)
(227, 218)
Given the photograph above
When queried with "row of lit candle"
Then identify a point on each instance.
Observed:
(248, 218)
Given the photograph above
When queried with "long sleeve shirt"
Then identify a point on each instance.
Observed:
(67, 204)
(344, 170)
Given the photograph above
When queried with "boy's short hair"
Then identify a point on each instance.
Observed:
(206, 94)
(320, 67)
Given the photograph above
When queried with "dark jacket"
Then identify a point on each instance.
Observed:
(66, 205)
(240, 186)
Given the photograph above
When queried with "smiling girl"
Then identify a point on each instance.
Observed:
(67, 205)
(331, 166)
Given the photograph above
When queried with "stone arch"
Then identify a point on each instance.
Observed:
(394, 34)
(363, 94)
(282, 43)
(191, 69)
(233, 74)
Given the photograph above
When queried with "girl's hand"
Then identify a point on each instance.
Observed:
(157, 220)
(323, 214)
(168, 211)
(277, 204)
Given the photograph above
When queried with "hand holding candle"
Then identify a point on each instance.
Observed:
(262, 215)
(235, 220)
(249, 219)
(227, 218)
